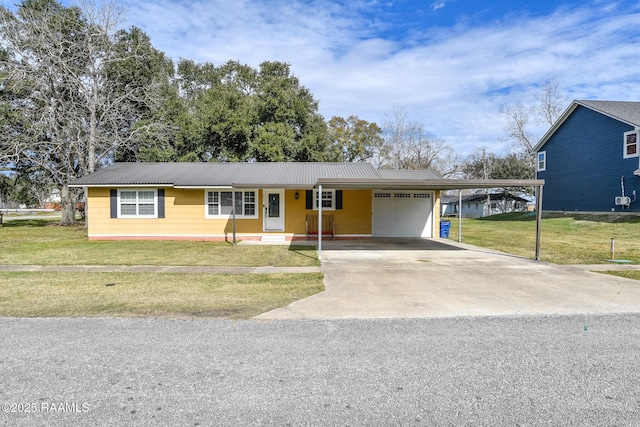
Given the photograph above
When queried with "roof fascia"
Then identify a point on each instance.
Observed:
(119, 185)
(199, 187)
(285, 186)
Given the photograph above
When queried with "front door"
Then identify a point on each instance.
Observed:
(273, 210)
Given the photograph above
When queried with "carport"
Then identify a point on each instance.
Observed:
(432, 185)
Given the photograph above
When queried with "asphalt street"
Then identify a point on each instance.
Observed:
(530, 370)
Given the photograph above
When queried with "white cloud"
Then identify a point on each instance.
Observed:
(438, 5)
(453, 80)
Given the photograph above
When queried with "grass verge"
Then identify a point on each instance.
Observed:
(565, 238)
(31, 294)
(629, 274)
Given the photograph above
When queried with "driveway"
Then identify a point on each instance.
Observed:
(383, 278)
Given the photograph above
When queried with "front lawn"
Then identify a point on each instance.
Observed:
(47, 294)
(41, 242)
(50, 294)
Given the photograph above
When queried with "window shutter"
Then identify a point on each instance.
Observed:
(338, 199)
(161, 203)
(309, 197)
(113, 203)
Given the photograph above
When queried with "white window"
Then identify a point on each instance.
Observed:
(541, 163)
(631, 144)
(219, 204)
(328, 199)
(137, 203)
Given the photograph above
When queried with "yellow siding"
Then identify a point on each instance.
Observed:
(436, 214)
(356, 215)
(353, 218)
(185, 216)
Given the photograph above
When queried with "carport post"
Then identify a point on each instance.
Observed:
(319, 202)
(460, 216)
(538, 219)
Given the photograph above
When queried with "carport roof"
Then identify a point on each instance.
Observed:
(429, 184)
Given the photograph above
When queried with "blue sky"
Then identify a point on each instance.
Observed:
(451, 63)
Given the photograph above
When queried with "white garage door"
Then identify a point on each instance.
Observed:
(402, 213)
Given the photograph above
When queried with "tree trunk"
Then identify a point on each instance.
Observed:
(68, 205)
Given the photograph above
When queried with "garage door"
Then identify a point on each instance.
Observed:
(402, 214)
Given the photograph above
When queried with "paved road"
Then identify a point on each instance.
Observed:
(539, 370)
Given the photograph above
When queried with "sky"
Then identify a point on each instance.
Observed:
(450, 64)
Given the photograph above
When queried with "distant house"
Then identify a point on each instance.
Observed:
(589, 158)
(479, 205)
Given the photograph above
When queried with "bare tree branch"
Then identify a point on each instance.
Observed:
(77, 86)
(408, 146)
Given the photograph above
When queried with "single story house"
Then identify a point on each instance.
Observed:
(589, 159)
(196, 200)
(255, 201)
(483, 204)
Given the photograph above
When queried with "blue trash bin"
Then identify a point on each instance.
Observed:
(444, 229)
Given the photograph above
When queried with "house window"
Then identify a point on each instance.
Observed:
(137, 203)
(219, 204)
(328, 199)
(631, 144)
(541, 164)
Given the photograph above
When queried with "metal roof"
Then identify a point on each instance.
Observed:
(202, 175)
(624, 111)
(278, 175)
(407, 174)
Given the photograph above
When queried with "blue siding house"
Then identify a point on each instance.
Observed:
(476, 206)
(589, 158)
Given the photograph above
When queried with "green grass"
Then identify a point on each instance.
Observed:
(151, 294)
(42, 242)
(629, 274)
(51, 294)
(565, 238)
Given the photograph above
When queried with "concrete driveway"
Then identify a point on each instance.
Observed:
(384, 278)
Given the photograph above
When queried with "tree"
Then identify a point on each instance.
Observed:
(236, 113)
(482, 164)
(75, 84)
(281, 99)
(479, 165)
(408, 146)
(353, 139)
(519, 116)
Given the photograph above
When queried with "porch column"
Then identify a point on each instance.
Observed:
(319, 201)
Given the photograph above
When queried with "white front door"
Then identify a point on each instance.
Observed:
(273, 208)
